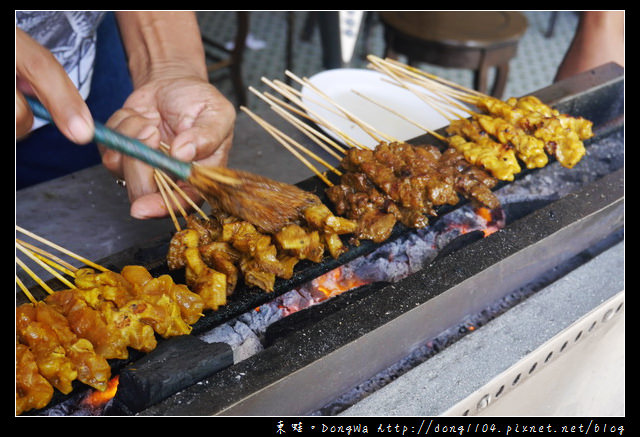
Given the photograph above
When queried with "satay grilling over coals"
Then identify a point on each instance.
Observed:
(400, 182)
(562, 135)
(219, 251)
(502, 132)
(72, 333)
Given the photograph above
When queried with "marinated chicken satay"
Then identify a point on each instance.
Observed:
(562, 133)
(103, 286)
(50, 356)
(564, 144)
(528, 148)
(89, 323)
(209, 284)
(115, 298)
(191, 304)
(33, 391)
(208, 230)
(180, 241)
(532, 104)
(136, 332)
(503, 166)
(334, 244)
(223, 258)
(162, 314)
(254, 276)
(93, 369)
(470, 181)
(161, 292)
(504, 110)
(498, 158)
(320, 217)
(146, 286)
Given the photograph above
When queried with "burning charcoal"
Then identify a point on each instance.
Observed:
(174, 365)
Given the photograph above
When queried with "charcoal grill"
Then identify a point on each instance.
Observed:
(327, 350)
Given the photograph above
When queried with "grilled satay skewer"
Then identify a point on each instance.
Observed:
(532, 122)
(33, 391)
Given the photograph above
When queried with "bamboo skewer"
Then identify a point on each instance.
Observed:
(415, 72)
(299, 146)
(48, 261)
(313, 115)
(46, 266)
(404, 117)
(33, 276)
(282, 139)
(163, 189)
(25, 290)
(62, 249)
(421, 95)
(315, 135)
(370, 130)
(180, 191)
(49, 258)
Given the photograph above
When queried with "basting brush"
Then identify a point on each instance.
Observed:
(265, 203)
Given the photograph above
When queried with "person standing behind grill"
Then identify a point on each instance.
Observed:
(143, 70)
(599, 39)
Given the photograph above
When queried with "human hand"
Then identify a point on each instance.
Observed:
(185, 112)
(39, 73)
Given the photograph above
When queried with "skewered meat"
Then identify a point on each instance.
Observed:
(479, 149)
(72, 333)
(93, 369)
(562, 134)
(357, 198)
(470, 181)
(33, 391)
(232, 249)
(89, 323)
(528, 148)
(223, 258)
(146, 286)
(136, 314)
(403, 182)
(50, 356)
(203, 280)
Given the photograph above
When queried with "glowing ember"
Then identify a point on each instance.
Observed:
(99, 398)
(335, 282)
(485, 213)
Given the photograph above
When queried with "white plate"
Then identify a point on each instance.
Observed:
(339, 85)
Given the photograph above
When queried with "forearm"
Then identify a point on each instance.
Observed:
(162, 43)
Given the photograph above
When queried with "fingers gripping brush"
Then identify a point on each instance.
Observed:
(265, 203)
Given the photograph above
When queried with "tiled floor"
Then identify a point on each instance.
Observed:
(254, 150)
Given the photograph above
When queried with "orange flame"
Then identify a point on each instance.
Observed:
(98, 398)
(485, 213)
(335, 282)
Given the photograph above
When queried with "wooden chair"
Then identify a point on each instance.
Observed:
(471, 40)
(231, 58)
